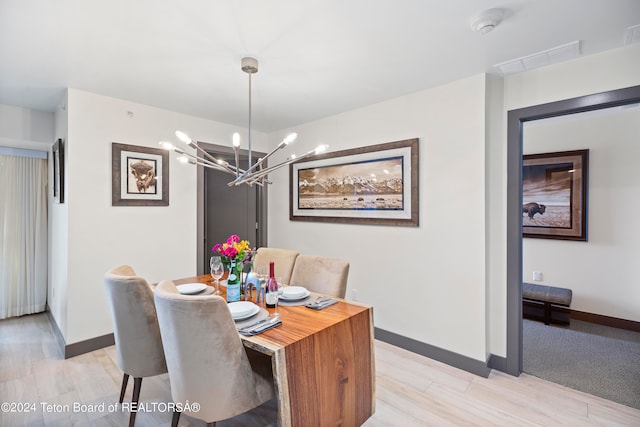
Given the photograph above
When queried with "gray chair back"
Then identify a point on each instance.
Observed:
(206, 359)
(321, 274)
(135, 324)
(283, 259)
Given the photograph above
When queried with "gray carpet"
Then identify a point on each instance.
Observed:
(601, 361)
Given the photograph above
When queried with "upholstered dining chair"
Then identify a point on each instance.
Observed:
(206, 359)
(283, 259)
(321, 274)
(135, 326)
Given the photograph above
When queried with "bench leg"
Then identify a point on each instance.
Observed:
(547, 313)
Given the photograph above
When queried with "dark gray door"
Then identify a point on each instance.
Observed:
(230, 210)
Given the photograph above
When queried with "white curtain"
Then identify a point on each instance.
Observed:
(23, 235)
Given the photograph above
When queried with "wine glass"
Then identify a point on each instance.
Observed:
(217, 270)
(261, 274)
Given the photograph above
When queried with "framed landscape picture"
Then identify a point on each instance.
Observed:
(140, 176)
(554, 195)
(377, 184)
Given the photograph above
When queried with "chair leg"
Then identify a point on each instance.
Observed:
(211, 424)
(125, 380)
(137, 383)
(175, 418)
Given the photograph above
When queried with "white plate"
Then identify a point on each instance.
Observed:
(240, 309)
(251, 313)
(294, 292)
(191, 288)
(298, 297)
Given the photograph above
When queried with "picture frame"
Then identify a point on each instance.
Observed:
(58, 170)
(140, 176)
(375, 185)
(554, 195)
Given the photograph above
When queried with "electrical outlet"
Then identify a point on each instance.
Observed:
(354, 294)
(537, 276)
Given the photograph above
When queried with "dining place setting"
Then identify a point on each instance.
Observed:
(251, 315)
(252, 319)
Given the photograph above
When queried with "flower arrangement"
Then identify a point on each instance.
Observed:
(236, 250)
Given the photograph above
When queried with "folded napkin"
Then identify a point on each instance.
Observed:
(323, 303)
(260, 327)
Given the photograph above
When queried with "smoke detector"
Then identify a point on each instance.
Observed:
(486, 21)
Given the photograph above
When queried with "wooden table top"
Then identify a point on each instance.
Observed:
(298, 322)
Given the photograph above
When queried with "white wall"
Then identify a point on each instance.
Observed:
(59, 232)
(158, 242)
(601, 272)
(25, 128)
(426, 283)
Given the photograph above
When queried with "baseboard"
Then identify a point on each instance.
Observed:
(89, 345)
(78, 348)
(445, 356)
(498, 363)
(599, 319)
(56, 332)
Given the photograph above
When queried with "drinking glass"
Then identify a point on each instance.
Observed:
(261, 273)
(217, 270)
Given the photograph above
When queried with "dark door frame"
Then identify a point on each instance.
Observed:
(214, 149)
(515, 121)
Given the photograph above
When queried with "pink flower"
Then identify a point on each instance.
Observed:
(234, 250)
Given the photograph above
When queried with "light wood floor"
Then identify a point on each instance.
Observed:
(411, 390)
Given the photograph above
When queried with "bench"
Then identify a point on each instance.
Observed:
(549, 296)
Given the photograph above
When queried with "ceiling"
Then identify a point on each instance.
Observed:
(317, 57)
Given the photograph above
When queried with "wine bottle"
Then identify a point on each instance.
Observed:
(271, 298)
(233, 283)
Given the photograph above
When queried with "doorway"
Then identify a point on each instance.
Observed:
(225, 210)
(516, 120)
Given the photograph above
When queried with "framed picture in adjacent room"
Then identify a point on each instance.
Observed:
(377, 185)
(554, 195)
(140, 176)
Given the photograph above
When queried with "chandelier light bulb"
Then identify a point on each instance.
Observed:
(290, 138)
(183, 159)
(183, 137)
(236, 140)
(167, 145)
(321, 148)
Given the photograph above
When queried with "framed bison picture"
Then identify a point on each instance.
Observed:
(554, 195)
(140, 176)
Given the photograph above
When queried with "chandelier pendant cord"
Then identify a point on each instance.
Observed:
(249, 130)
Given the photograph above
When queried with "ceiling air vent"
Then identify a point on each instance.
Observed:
(540, 59)
(632, 35)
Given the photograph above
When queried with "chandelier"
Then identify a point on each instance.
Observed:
(254, 173)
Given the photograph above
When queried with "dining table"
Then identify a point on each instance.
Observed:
(322, 361)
